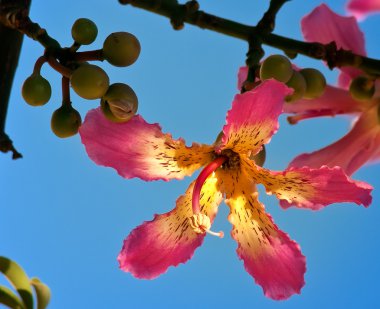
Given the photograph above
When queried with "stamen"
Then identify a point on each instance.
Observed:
(295, 119)
(200, 222)
(219, 234)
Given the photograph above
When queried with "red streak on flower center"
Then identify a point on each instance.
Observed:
(202, 178)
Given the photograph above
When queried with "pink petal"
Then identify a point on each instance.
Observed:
(361, 8)
(242, 76)
(270, 256)
(350, 152)
(167, 240)
(345, 77)
(139, 149)
(334, 101)
(253, 118)
(310, 188)
(324, 26)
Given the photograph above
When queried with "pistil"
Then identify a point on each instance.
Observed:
(200, 222)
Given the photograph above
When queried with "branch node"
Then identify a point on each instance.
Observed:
(192, 6)
(6, 145)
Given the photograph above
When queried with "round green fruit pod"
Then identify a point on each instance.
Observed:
(36, 90)
(89, 81)
(120, 103)
(65, 121)
(121, 49)
(298, 83)
(84, 31)
(315, 83)
(362, 88)
(278, 67)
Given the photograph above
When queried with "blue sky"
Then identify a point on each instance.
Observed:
(63, 218)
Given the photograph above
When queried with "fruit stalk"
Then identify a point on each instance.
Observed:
(66, 90)
(92, 55)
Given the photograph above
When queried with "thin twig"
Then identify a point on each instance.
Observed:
(268, 21)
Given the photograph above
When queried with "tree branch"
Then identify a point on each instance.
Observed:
(11, 41)
(328, 52)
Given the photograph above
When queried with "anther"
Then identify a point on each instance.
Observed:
(201, 224)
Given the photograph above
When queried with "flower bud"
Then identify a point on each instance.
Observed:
(120, 103)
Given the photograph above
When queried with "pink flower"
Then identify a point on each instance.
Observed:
(361, 8)
(362, 143)
(139, 149)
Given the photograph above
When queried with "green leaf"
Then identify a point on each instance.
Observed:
(42, 292)
(19, 280)
(8, 298)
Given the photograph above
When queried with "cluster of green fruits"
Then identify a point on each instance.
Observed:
(118, 101)
(307, 83)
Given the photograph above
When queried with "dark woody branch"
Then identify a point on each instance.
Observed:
(328, 52)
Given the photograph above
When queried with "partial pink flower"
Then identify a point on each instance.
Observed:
(324, 26)
(361, 8)
(269, 255)
(361, 144)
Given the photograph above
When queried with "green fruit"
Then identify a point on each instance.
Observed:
(65, 121)
(298, 83)
(36, 90)
(84, 31)
(121, 49)
(362, 88)
(315, 83)
(277, 67)
(89, 81)
(259, 157)
(120, 103)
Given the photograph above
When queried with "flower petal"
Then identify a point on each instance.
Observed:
(324, 26)
(361, 8)
(242, 76)
(168, 240)
(352, 151)
(253, 118)
(334, 101)
(310, 188)
(270, 256)
(139, 149)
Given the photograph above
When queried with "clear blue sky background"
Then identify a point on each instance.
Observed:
(63, 218)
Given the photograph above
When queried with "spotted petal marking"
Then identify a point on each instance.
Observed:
(139, 149)
(168, 239)
(310, 188)
(270, 256)
(253, 118)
